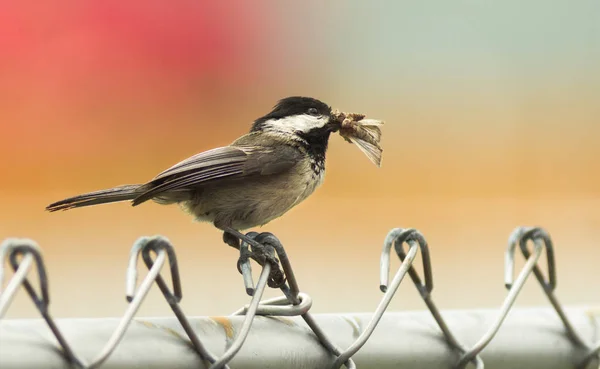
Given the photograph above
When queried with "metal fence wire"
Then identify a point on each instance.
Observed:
(23, 255)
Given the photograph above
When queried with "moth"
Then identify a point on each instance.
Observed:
(364, 133)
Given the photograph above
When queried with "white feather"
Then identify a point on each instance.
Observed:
(297, 123)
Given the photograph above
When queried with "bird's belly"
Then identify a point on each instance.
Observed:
(251, 204)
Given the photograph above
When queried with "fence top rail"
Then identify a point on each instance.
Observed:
(532, 337)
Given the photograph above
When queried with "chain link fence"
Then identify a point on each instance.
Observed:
(270, 333)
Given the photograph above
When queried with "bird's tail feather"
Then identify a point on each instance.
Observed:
(116, 194)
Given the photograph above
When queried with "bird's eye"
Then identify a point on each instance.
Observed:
(313, 111)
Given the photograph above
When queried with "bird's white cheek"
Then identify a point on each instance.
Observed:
(304, 123)
(298, 123)
(307, 123)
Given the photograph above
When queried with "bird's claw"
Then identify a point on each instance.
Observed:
(262, 255)
(231, 240)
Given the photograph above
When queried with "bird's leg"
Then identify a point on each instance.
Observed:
(259, 253)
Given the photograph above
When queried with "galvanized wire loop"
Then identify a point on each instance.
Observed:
(20, 275)
(539, 235)
(161, 246)
(541, 238)
(521, 236)
(541, 241)
(12, 248)
(42, 299)
(291, 291)
(155, 245)
(397, 236)
(143, 246)
(269, 246)
(134, 298)
(7, 295)
(514, 290)
(414, 237)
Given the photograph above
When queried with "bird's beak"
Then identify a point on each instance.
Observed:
(335, 123)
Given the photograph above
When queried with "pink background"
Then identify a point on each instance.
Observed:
(492, 121)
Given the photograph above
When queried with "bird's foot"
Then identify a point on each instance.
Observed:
(259, 252)
(231, 240)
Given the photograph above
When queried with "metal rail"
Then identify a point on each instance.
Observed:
(529, 338)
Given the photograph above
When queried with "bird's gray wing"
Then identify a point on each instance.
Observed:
(223, 163)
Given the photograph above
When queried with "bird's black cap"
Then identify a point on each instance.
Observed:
(293, 105)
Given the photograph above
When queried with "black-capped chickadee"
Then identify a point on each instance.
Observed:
(256, 179)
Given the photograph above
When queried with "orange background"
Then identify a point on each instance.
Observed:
(492, 121)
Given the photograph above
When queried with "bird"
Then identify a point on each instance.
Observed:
(257, 178)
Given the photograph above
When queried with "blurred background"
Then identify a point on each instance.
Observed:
(492, 121)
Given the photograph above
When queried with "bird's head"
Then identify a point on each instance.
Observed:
(309, 122)
(305, 117)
